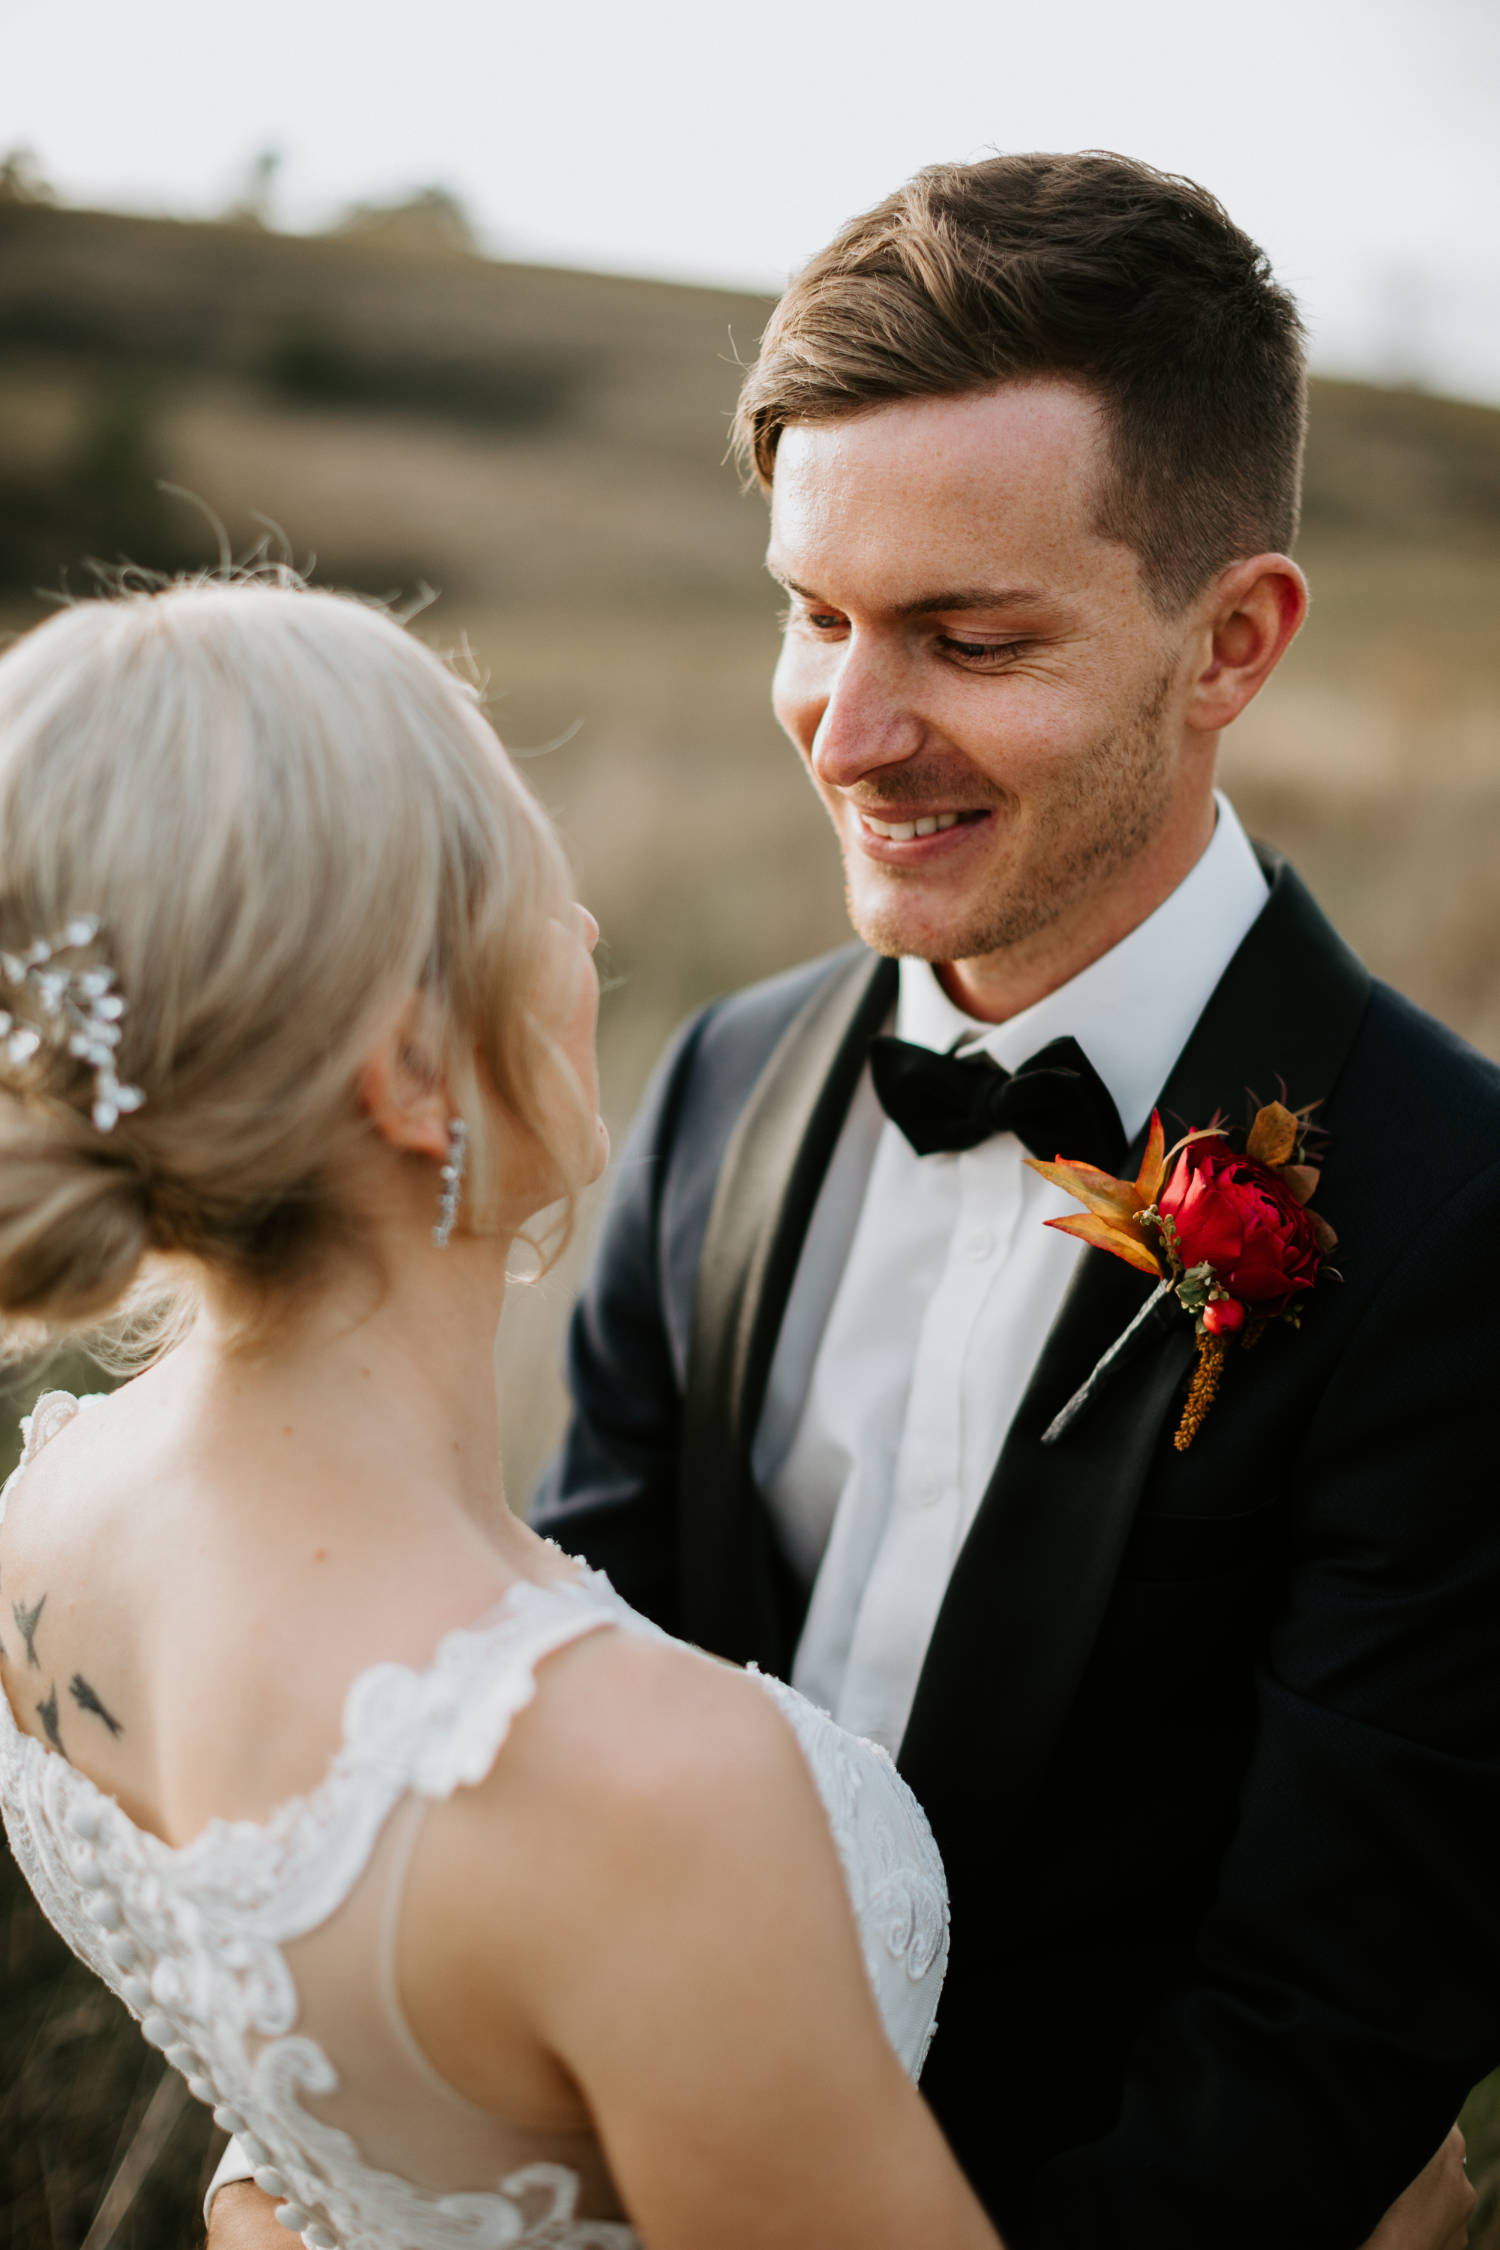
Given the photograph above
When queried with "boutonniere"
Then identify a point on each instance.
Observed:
(1228, 1231)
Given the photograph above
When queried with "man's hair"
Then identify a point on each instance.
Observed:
(1092, 267)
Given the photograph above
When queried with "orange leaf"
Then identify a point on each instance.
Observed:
(1111, 1198)
(1273, 1136)
(1149, 1178)
(1302, 1179)
(1121, 1242)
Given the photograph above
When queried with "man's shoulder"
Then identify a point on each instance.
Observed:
(749, 1024)
(1431, 1087)
(1414, 1124)
(713, 1064)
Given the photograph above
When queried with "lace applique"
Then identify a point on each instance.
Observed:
(891, 1860)
(53, 1411)
(534, 2209)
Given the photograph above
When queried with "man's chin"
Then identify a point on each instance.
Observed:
(900, 929)
(921, 924)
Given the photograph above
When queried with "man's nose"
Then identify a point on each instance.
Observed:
(867, 721)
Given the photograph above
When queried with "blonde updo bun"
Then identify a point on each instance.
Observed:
(73, 1226)
(286, 815)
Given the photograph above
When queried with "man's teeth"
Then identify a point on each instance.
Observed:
(902, 831)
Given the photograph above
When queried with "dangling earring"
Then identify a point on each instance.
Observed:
(452, 1177)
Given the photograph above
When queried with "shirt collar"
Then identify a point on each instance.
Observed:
(1133, 1010)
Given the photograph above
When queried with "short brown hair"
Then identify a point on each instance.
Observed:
(1131, 281)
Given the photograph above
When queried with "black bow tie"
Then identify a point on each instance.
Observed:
(1056, 1104)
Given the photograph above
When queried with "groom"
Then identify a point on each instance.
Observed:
(1210, 1739)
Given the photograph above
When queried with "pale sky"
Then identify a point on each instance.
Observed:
(1356, 139)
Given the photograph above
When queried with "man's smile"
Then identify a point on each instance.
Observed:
(912, 834)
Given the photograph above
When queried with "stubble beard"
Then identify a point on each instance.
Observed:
(1111, 807)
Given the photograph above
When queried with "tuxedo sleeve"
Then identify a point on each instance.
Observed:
(611, 1492)
(1346, 1991)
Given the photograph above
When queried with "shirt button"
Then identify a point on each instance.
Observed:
(927, 1491)
(980, 1246)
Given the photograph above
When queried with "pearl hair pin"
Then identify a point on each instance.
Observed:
(76, 1011)
(452, 1177)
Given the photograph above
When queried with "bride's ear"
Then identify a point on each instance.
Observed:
(401, 1086)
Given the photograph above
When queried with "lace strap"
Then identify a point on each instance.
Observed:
(53, 1411)
(442, 1728)
(420, 1732)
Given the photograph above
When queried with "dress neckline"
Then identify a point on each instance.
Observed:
(587, 1587)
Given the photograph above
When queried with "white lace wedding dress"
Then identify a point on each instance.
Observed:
(259, 1957)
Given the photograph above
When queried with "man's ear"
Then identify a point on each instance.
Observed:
(401, 1086)
(1255, 610)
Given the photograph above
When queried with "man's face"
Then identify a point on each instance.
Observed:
(985, 697)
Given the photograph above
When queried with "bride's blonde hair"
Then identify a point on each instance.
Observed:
(287, 815)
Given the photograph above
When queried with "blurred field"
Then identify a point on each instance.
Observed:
(544, 449)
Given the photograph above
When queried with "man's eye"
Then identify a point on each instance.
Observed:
(981, 652)
(823, 621)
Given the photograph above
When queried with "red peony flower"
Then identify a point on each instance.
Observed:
(1242, 1219)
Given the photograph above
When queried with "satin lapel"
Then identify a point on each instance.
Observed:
(1034, 1576)
(772, 1172)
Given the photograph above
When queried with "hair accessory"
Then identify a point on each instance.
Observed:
(76, 1010)
(452, 1176)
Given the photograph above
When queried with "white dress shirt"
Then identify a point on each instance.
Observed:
(925, 1291)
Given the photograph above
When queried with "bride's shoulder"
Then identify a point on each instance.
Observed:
(635, 1758)
(650, 1850)
(648, 1799)
(634, 1725)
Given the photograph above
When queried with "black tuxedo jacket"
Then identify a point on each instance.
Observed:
(1210, 1741)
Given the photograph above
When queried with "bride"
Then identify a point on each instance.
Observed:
(480, 1912)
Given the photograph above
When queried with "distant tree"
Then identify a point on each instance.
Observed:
(114, 474)
(428, 218)
(254, 205)
(101, 500)
(21, 179)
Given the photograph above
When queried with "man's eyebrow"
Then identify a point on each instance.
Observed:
(949, 598)
(975, 597)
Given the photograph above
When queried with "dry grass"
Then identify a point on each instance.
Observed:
(604, 572)
(77, 2087)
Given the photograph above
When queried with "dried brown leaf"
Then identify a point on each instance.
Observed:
(1273, 1136)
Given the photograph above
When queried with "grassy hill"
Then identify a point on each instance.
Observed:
(545, 450)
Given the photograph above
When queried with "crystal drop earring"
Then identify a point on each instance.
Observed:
(452, 1177)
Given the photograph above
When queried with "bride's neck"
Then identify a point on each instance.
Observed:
(394, 1366)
